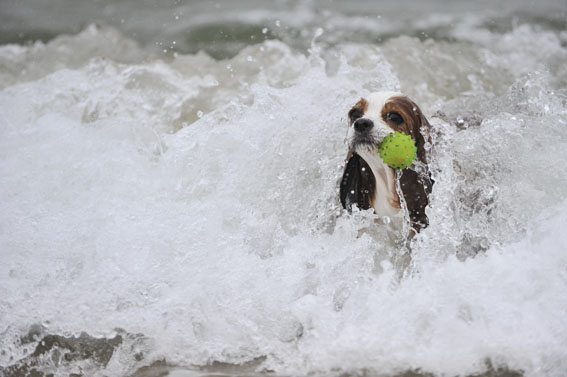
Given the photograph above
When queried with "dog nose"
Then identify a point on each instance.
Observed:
(363, 125)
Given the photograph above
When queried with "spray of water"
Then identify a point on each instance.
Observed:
(194, 201)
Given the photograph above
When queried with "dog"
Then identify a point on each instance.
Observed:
(367, 181)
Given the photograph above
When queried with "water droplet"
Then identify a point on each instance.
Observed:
(265, 30)
(352, 192)
(363, 169)
(278, 23)
(200, 114)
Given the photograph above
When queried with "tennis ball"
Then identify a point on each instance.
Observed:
(397, 150)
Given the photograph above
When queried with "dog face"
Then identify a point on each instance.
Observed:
(367, 181)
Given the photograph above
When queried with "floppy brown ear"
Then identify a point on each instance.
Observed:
(358, 184)
(417, 186)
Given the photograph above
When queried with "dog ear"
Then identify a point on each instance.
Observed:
(358, 184)
(417, 186)
(416, 189)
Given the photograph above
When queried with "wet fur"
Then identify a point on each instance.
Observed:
(367, 182)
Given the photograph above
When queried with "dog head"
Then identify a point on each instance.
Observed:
(367, 181)
(382, 113)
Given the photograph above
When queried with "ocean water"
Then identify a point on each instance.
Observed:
(169, 176)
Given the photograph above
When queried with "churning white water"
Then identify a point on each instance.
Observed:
(194, 202)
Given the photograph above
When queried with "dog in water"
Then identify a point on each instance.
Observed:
(367, 181)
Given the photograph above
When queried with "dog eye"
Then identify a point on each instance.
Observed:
(394, 117)
(354, 114)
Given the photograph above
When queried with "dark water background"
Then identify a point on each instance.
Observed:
(222, 28)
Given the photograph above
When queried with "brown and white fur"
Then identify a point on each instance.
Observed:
(367, 181)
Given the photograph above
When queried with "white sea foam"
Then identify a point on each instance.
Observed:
(195, 201)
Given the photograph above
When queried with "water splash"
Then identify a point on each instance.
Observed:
(220, 237)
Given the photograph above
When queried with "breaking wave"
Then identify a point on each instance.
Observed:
(183, 207)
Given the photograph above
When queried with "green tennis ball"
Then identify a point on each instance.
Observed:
(397, 150)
